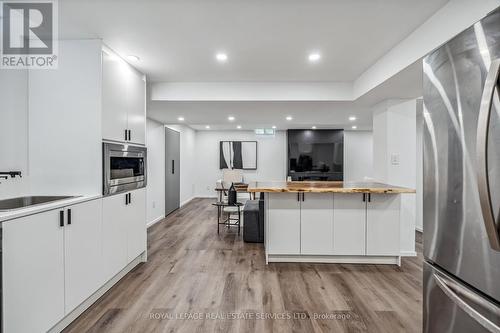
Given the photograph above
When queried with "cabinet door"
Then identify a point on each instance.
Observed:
(115, 80)
(349, 223)
(136, 117)
(114, 234)
(382, 225)
(83, 252)
(136, 224)
(284, 223)
(33, 273)
(316, 223)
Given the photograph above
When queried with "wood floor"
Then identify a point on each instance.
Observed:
(197, 281)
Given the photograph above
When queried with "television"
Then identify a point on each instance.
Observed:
(315, 154)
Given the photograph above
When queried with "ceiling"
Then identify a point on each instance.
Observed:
(266, 40)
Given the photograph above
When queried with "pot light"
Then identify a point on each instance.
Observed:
(314, 57)
(273, 127)
(132, 57)
(352, 118)
(354, 127)
(238, 127)
(221, 57)
(207, 127)
(314, 127)
(289, 118)
(180, 119)
(230, 118)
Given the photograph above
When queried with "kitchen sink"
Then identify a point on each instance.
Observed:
(23, 202)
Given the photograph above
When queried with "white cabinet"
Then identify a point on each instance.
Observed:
(123, 101)
(124, 230)
(382, 225)
(349, 223)
(83, 252)
(316, 226)
(136, 224)
(114, 234)
(284, 223)
(33, 272)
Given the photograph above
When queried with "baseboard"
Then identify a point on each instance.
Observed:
(185, 202)
(333, 259)
(419, 229)
(156, 220)
(408, 253)
(69, 318)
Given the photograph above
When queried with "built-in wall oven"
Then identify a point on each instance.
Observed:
(124, 168)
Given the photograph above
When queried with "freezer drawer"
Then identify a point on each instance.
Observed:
(450, 306)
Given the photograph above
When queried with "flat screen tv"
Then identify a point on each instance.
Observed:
(316, 154)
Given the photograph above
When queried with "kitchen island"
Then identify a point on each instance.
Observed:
(332, 222)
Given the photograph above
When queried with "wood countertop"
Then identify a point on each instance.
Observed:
(326, 187)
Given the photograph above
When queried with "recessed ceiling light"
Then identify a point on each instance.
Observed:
(289, 118)
(238, 127)
(354, 127)
(352, 118)
(180, 119)
(230, 118)
(314, 57)
(221, 57)
(133, 57)
(273, 127)
(314, 127)
(207, 127)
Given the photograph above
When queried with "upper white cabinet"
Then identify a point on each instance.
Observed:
(350, 223)
(82, 252)
(123, 101)
(33, 272)
(316, 216)
(284, 227)
(382, 225)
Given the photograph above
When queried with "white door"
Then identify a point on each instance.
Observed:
(284, 223)
(114, 234)
(382, 225)
(316, 223)
(136, 96)
(83, 252)
(33, 272)
(349, 224)
(136, 224)
(115, 78)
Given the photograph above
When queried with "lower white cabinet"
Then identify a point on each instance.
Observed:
(124, 230)
(284, 227)
(316, 223)
(350, 222)
(136, 224)
(33, 272)
(82, 252)
(382, 225)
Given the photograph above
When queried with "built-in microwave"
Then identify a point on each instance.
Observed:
(124, 168)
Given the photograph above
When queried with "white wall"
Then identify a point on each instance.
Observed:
(358, 155)
(395, 135)
(271, 158)
(188, 167)
(155, 191)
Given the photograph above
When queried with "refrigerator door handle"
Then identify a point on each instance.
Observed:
(490, 91)
(452, 290)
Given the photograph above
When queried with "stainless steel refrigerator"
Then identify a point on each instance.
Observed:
(462, 182)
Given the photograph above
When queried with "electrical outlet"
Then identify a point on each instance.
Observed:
(395, 159)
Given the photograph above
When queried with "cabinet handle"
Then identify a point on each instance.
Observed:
(298, 196)
(173, 166)
(364, 197)
(61, 218)
(69, 216)
(130, 198)
(126, 199)
(303, 196)
(126, 135)
(369, 197)
(129, 135)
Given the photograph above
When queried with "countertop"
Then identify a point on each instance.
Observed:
(326, 187)
(17, 213)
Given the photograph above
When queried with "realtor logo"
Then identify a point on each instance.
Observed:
(29, 34)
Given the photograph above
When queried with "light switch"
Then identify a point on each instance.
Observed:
(395, 159)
